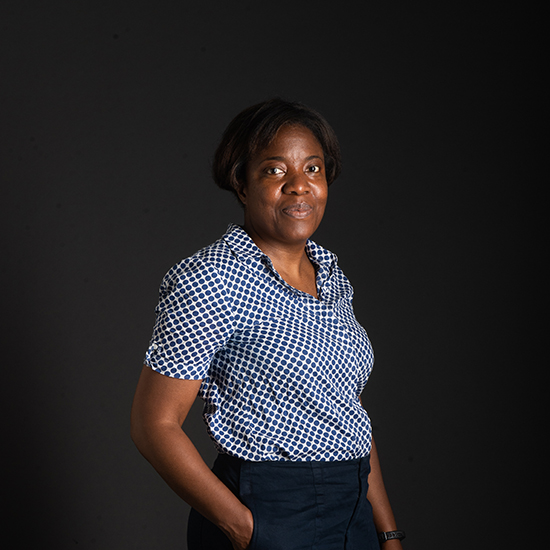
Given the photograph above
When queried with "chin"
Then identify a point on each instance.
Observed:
(300, 234)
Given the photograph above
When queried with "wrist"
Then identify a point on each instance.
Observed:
(386, 537)
(239, 527)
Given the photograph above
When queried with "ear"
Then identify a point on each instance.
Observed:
(241, 192)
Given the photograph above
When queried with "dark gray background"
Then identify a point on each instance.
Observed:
(110, 113)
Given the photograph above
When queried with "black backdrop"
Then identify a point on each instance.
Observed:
(110, 112)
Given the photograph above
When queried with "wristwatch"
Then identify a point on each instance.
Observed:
(389, 535)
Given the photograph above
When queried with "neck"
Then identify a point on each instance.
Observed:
(289, 259)
(289, 254)
(295, 267)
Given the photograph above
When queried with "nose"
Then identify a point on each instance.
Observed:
(297, 183)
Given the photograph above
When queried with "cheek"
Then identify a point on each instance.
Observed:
(267, 196)
(322, 194)
(260, 203)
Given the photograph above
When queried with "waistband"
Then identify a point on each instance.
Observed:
(234, 462)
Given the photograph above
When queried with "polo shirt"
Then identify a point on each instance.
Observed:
(281, 370)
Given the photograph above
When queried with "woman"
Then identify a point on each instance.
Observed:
(260, 325)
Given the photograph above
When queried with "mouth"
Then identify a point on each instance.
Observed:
(299, 210)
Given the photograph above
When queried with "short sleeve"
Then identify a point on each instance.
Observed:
(194, 320)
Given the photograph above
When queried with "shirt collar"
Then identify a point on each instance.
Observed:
(242, 245)
(240, 242)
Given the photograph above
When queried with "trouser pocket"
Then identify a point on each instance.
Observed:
(202, 534)
(283, 506)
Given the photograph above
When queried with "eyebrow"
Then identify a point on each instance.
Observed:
(311, 157)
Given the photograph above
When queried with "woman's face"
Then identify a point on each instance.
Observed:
(286, 190)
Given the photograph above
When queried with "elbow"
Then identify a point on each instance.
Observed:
(135, 437)
(145, 432)
(141, 438)
(138, 433)
(134, 433)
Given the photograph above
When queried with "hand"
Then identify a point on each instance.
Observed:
(242, 537)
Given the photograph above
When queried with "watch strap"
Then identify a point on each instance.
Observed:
(390, 535)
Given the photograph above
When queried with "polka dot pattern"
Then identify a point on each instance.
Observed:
(281, 370)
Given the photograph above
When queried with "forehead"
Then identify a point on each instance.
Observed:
(291, 140)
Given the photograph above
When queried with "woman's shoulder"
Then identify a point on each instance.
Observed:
(216, 259)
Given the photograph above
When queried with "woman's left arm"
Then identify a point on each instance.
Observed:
(381, 509)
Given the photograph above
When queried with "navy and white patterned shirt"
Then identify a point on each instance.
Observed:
(282, 370)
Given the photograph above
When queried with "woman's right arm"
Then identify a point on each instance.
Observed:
(160, 406)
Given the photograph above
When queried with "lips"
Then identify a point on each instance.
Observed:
(299, 210)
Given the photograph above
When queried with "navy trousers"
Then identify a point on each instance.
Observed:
(295, 505)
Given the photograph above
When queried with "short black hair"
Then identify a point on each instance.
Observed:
(255, 128)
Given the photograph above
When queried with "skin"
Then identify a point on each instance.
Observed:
(284, 196)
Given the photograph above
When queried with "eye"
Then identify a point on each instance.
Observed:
(275, 171)
(314, 169)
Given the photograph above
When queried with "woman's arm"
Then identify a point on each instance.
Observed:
(377, 496)
(160, 406)
(381, 509)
